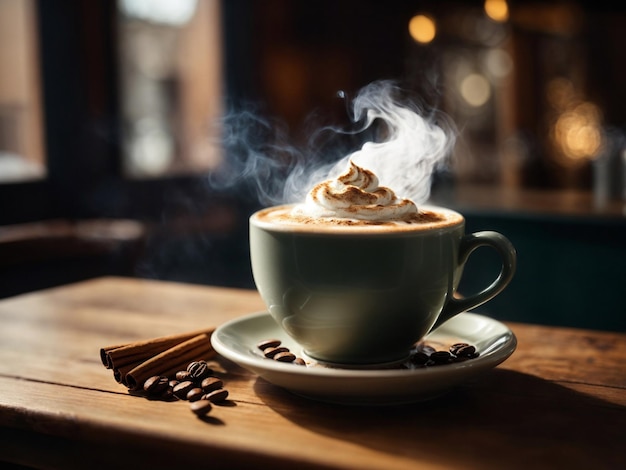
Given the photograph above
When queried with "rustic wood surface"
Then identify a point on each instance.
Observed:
(558, 402)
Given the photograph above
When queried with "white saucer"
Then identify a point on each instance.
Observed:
(237, 341)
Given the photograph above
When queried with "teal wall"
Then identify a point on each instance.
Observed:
(570, 272)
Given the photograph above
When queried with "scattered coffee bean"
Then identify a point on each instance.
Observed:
(198, 370)
(194, 394)
(456, 346)
(156, 385)
(196, 384)
(268, 343)
(441, 357)
(285, 356)
(211, 383)
(419, 358)
(271, 352)
(466, 351)
(216, 396)
(201, 407)
(272, 349)
(182, 375)
(183, 388)
(425, 355)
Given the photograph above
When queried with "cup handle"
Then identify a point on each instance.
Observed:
(469, 243)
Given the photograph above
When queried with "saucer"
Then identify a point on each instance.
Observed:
(236, 340)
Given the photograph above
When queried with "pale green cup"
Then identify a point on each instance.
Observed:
(363, 295)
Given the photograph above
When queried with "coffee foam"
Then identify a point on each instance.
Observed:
(291, 218)
(356, 194)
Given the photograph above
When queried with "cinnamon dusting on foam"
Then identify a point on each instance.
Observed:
(355, 194)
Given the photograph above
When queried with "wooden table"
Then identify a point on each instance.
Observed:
(558, 402)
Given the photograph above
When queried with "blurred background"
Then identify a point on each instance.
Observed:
(109, 143)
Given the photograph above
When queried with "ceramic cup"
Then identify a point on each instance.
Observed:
(364, 294)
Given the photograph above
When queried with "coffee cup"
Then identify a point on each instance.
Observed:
(360, 294)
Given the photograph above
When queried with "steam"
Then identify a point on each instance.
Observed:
(413, 148)
(404, 149)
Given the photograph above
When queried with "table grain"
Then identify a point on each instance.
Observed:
(558, 402)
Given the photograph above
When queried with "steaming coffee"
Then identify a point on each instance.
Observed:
(356, 275)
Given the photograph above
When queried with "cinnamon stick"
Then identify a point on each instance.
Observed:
(121, 355)
(119, 374)
(171, 360)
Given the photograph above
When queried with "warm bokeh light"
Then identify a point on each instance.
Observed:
(497, 10)
(422, 29)
(499, 63)
(577, 129)
(577, 132)
(475, 90)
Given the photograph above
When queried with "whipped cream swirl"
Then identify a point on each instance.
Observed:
(356, 194)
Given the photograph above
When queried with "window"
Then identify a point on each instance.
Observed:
(21, 133)
(170, 56)
(95, 124)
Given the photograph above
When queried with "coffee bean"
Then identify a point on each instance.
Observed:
(194, 394)
(268, 343)
(299, 361)
(441, 357)
(216, 396)
(456, 346)
(271, 352)
(156, 385)
(198, 370)
(173, 383)
(285, 356)
(183, 388)
(466, 351)
(419, 358)
(182, 375)
(211, 383)
(201, 407)
(425, 355)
